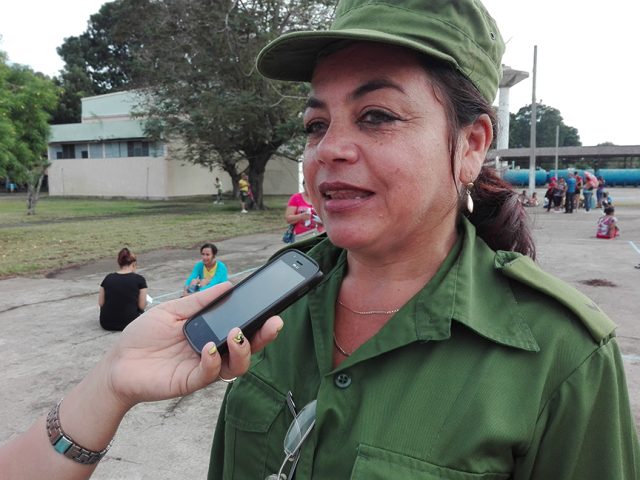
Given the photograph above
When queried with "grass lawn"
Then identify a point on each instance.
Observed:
(65, 232)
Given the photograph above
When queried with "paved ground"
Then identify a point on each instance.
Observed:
(170, 440)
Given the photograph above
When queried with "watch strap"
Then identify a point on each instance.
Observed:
(64, 444)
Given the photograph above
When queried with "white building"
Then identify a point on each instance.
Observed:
(108, 155)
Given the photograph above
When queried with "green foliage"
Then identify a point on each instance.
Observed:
(200, 68)
(547, 118)
(7, 130)
(26, 100)
(196, 58)
(103, 58)
(74, 84)
(106, 51)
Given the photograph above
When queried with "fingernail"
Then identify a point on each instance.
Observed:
(239, 338)
(213, 350)
(279, 328)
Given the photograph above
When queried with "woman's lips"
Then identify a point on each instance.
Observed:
(338, 196)
(346, 194)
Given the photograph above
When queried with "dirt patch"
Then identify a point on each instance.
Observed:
(598, 282)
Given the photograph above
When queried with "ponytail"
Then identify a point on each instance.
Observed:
(125, 257)
(499, 218)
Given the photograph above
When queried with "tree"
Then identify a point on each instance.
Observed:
(102, 59)
(26, 100)
(196, 60)
(199, 60)
(74, 84)
(547, 118)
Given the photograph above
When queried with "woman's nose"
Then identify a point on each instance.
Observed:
(336, 145)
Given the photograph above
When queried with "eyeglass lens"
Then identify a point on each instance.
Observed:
(300, 428)
(296, 435)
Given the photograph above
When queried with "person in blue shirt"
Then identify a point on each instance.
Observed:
(571, 192)
(207, 272)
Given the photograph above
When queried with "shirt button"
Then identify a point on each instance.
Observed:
(342, 380)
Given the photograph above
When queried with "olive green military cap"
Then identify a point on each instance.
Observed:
(460, 32)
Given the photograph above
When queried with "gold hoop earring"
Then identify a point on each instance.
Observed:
(469, 199)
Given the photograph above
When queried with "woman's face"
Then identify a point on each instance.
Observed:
(207, 257)
(377, 163)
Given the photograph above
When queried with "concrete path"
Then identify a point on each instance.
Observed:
(50, 336)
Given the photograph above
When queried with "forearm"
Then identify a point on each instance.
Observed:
(291, 217)
(195, 275)
(89, 414)
(142, 299)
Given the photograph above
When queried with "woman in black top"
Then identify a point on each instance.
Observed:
(123, 295)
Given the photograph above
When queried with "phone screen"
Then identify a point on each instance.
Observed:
(250, 298)
(266, 292)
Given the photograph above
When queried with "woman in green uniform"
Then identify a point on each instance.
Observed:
(434, 347)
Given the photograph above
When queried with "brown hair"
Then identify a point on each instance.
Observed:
(125, 257)
(500, 219)
(213, 248)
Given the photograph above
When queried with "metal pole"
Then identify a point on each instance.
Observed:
(532, 156)
(557, 140)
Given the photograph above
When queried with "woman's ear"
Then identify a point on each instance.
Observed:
(475, 140)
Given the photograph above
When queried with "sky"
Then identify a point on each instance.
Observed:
(587, 61)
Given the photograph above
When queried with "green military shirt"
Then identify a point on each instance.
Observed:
(494, 370)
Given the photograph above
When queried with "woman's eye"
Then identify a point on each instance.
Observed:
(313, 128)
(377, 117)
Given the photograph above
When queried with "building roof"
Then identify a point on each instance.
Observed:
(97, 131)
(111, 104)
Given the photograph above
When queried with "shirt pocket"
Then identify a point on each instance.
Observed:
(373, 463)
(253, 437)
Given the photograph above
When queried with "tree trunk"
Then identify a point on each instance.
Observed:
(229, 165)
(33, 194)
(257, 166)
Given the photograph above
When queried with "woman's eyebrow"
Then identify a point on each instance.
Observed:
(313, 102)
(373, 85)
(368, 87)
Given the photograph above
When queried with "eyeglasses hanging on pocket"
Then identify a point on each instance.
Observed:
(297, 433)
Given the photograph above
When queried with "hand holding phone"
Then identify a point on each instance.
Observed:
(263, 294)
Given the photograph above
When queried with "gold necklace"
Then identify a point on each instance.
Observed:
(370, 312)
(340, 349)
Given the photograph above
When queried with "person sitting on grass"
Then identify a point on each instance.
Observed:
(207, 272)
(608, 224)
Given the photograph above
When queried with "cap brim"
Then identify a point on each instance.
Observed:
(294, 56)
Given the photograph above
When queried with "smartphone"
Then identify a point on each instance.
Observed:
(263, 294)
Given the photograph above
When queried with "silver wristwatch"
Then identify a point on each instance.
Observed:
(65, 445)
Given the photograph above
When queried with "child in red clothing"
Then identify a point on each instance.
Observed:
(608, 225)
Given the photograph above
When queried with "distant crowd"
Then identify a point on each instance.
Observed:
(578, 192)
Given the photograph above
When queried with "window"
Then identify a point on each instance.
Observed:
(112, 150)
(68, 150)
(137, 149)
(156, 149)
(95, 150)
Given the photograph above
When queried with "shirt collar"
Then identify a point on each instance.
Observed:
(468, 288)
